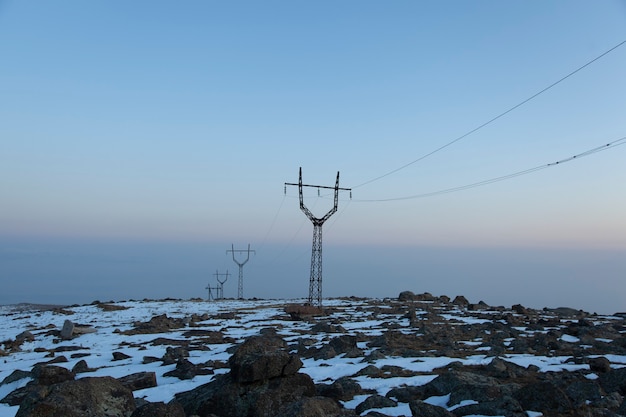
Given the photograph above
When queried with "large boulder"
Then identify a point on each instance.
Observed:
(262, 358)
(263, 380)
(225, 397)
(87, 397)
(543, 397)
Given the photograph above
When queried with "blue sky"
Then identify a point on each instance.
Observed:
(155, 127)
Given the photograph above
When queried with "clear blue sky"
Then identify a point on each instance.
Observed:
(147, 123)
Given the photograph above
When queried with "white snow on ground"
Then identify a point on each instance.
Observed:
(250, 316)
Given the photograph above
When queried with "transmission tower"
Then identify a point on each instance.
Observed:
(315, 281)
(220, 288)
(241, 264)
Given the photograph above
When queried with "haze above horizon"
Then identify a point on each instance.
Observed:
(142, 140)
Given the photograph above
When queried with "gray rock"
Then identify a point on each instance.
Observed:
(87, 397)
(422, 409)
(15, 376)
(375, 401)
(313, 407)
(68, 330)
(139, 380)
(261, 358)
(544, 397)
(600, 364)
(159, 409)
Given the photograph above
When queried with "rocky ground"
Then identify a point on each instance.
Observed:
(416, 355)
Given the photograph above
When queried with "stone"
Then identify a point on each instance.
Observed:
(406, 296)
(25, 336)
(120, 356)
(375, 401)
(343, 389)
(261, 358)
(15, 376)
(226, 397)
(422, 409)
(543, 397)
(50, 374)
(467, 386)
(139, 380)
(312, 407)
(503, 406)
(460, 300)
(81, 367)
(68, 330)
(187, 370)
(86, 397)
(174, 354)
(614, 381)
(159, 409)
(599, 364)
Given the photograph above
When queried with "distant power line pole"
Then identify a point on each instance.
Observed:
(241, 264)
(315, 281)
(220, 287)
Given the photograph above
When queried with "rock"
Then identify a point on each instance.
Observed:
(406, 394)
(582, 392)
(313, 407)
(343, 389)
(614, 381)
(139, 380)
(25, 336)
(15, 376)
(225, 397)
(346, 344)
(600, 364)
(406, 296)
(157, 324)
(503, 406)
(187, 370)
(92, 397)
(261, 358)
(544, 397)
(422, 409)
(467, 386)
(31, 391)
(68, 330)
(262, 381)
(375, 401)
(460, 300)
(173, 355)
(303, 312)
(120, 356)
(326, 327)
(159, 409)
(81, 367)
(519, 309)
(503, 369)
(49, 374)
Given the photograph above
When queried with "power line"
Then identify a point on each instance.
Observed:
(493, 119)
(601, 148)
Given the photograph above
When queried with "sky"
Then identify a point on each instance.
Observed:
(140, 141)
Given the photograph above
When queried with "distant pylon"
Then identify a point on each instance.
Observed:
(220, 287)
(315, 280)
(241, 264)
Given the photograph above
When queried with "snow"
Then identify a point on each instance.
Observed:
(249, 318)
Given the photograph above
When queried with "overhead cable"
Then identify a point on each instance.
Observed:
(601, 148)
(493, 119)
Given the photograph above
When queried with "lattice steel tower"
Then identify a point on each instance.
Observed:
(241, 264)
(315, 281)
